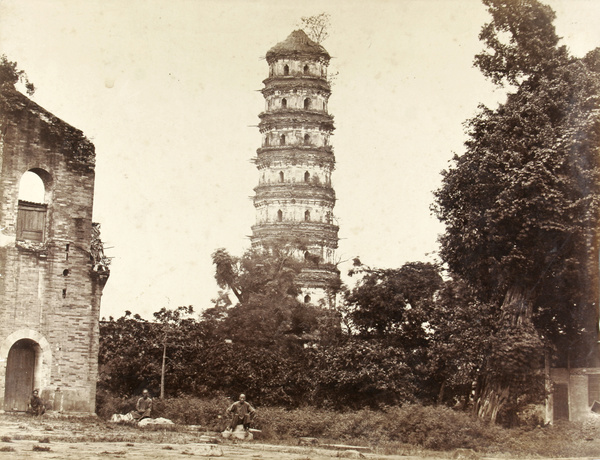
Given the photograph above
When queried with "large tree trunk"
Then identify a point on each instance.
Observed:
(494, 391)
(491, 398)
(516, 309)
(440, 398)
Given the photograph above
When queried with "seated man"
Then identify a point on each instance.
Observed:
(36, 404)
(143, 407)
(241, 413)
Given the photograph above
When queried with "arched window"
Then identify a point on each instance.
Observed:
(31, 216)
(282, 140)
(31, 188)
(284, 103)
(307, 103)
(306, 176)
(281, 176)
(286, 69)
(267, 140)
(307, 215)
(305, 70)
(306, 139)
(279, 215)
(306, 298)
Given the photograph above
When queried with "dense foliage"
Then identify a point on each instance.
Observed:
(272, 347)
(521, 205)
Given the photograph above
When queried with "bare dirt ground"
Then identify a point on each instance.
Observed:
(23, 437)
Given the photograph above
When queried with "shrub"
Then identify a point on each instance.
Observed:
(185, 410)
(436, 427)
(193, 411)
(430, 427)
(107, 404)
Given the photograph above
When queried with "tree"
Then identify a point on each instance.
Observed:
(357, 373)
(10, 75)
(126, 364)
(395, 307)
(461, 326)
(316, 27)
(172, 325)
(268, 311)
(136, 353)
(521, 205)
(394, 303)
(521, 40)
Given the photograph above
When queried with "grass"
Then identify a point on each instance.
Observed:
(409, 430)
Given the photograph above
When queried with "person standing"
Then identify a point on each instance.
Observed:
(241, 412)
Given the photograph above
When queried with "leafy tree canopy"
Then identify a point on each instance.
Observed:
(10, 75)
(394, 303)
(268, 310)
(521, 42)
(521, 205)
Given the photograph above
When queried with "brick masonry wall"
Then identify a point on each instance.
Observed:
(48, 292)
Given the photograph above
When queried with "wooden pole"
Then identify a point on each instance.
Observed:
(162, 373)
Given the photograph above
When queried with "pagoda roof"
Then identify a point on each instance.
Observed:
(296, 44)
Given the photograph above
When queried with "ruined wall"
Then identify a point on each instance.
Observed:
(49, 292)
(581, 387)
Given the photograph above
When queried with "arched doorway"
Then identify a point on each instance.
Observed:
(20, 374)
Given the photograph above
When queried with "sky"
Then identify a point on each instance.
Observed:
(168, 91)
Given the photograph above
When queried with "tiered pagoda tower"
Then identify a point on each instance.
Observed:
(294, 198)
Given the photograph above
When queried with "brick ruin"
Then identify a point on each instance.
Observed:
(294, 199)
(52, 265)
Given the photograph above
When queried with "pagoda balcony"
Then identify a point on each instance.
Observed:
(295, 119)
(310, 115)
(300, 156)
(318, 233)
(321, 276)
(299, 191)
(293, 148)
(291, 82)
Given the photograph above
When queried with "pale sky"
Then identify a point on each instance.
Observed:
(167, 90)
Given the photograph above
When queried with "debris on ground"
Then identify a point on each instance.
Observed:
(238, 433)
(155, 421)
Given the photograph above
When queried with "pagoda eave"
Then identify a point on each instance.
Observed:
(287, 83)
(299, 192)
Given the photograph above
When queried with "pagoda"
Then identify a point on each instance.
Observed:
(294, 199)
